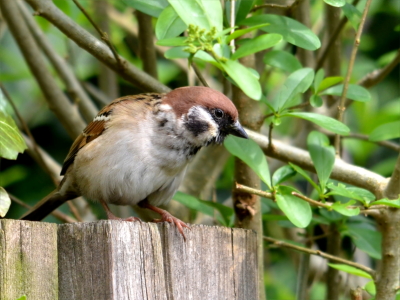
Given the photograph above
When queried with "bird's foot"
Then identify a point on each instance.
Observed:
(111, 216)
(167, 217)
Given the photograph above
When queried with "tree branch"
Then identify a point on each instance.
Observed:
(74, 88)
(57, 214)
(58, 102)
(332, 40)
(352, 60)
(85, 40)
(377, 76)
(392, 190)
(146, 46)
(342, 171)
(103, 34)
(320, 253)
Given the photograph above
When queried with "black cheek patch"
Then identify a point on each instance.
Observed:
(196, 127)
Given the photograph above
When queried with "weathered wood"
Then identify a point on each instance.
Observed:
(28, 260)
(123, 260)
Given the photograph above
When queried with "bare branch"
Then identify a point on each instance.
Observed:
(146, 46)
(58, 102)
(377, 76)
(35, 147)
(279, 243)
(103, 34)
(85, 40)
(392, 190)
(74, 88)
(57, 214)
(247, 189)
(332, 40)
(199, 75)
(352, 60)
(342, 171)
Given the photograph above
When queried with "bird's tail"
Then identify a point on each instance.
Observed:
(45, 206)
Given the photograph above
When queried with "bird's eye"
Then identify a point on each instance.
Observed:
(218, 113)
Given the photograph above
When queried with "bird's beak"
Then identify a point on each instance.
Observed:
(238, 130)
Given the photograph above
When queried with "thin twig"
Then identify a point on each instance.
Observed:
(387, 144)
(232, 23)
(320, 253)
(247, 189)
(103, 35)
(199, 75)
(58, 102)
(326, 205)
(57, 214)
(96, 93)
(342, 101)
(332, 40)
(74, 88)
(377, 76)
(29, 133)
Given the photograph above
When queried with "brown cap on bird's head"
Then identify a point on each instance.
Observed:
(182, 99)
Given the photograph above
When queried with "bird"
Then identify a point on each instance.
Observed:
(137, 148)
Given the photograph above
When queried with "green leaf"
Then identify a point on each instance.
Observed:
(282, 60)
(172, 42)
(354, 92)
(169, 24)
(323, 121)
(249, 152)
(242, 8)
(241, 32)
(226, 212)
(297, 82)
(204, 56)
(385, 201)
(343, 209)
(352, 14)
(153, 7)
(203, 13)
(316, 101)
(291, 30)
(328, 82)
(298, 211)
(305, 175)
(322, 155)
(350, 270)
(5, 202)
(193, 203)
(243, 77)
(22, 298)
(205, 207)
(11, 141)
(282, 174)
(319, 76)
(366, 240)
(370, 288)
(176, 52)
(385, 132)
(351, 192)
(257, 44)
(335, 3)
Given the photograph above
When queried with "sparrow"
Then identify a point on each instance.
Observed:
(137, 148)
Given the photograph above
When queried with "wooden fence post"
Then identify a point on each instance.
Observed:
(117, 260)
(28, 260)
(112, 260)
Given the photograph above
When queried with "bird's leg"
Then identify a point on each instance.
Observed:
(165, 216)
(111, 216)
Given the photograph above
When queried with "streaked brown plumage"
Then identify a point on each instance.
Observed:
(136, 149)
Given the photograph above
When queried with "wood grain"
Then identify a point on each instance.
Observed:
(123, 260)
(28, 260)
